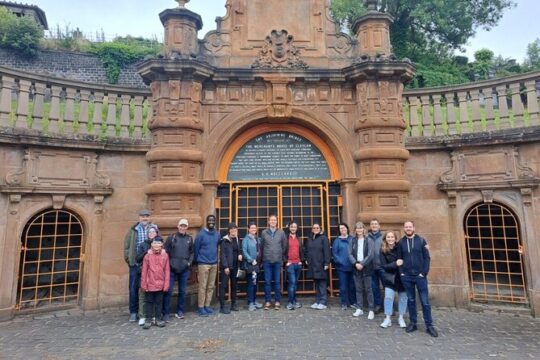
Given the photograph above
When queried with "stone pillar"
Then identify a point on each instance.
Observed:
(176, 156)
(380, 152)
(181, 27)
(373, 32)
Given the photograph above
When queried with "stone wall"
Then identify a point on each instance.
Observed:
(69, 65)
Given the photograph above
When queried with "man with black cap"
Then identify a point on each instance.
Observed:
(135, 236)
(230, 257)
(180, 248)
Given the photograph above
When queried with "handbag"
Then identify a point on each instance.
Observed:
(241, 274)
(389, 278)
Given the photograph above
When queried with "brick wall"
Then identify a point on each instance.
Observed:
(69, 65)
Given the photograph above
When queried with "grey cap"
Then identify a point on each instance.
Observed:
(145, 212)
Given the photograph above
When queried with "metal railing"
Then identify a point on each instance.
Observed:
(56, 106)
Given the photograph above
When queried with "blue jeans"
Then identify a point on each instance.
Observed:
(251, 279)
(419, 283)
(346, 288)
(376, 280)
(389, 301)
(134, 284)
(293, 275)
(182, 280)
(272, 272)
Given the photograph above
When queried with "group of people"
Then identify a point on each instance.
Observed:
(363, 260)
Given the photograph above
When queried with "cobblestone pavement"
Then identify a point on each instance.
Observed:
(299, 334)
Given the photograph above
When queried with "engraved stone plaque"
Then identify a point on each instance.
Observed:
(278, 156)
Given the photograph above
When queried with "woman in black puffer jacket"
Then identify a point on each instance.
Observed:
(391, 280)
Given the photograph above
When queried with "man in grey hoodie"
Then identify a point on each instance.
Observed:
(273, 248)
(375, 235)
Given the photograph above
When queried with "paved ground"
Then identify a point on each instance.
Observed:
(300, 334)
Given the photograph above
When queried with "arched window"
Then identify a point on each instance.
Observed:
(51, 256)
(494, 252)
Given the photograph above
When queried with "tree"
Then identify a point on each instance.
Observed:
(532, 61)
(20, 34)
(421, 26)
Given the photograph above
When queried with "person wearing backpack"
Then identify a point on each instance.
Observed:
(179, 246)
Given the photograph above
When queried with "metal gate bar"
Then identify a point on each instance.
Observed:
(51, 256)
(494, 254)
(304, 202)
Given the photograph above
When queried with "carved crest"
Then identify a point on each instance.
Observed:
(279, 52)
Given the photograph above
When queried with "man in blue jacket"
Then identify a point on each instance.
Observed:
(206, 256)
(413, 250)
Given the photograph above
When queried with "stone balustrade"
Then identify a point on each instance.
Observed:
(56, 106)
(510, 102)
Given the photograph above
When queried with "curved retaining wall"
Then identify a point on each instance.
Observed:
(69, 65)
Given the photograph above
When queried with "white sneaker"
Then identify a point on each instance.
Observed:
(358, 312)
(321, 307)
(371, 315)
(315, 306)
(141, 321)
(402, 322)
(386, 323)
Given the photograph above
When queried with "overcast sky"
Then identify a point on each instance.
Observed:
(519, 26)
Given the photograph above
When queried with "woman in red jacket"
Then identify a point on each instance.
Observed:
(155, 282)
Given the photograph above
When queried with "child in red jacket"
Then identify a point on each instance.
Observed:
(155, 282)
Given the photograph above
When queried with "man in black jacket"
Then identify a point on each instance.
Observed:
(179, 246)
(413, 250)
(230, 257)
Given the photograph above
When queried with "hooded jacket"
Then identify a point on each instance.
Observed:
(156, 272)
(415, 255)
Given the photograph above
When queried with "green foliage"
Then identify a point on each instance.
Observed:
(21, 34)
(438, 27)
(347, 11)
(114, 55)
(429, 32)
(431, 74)
(532, 61)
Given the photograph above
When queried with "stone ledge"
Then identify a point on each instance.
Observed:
(507, 136)
(16, 136)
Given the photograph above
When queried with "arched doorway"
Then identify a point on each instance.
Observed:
(494, 253)
(51, 259)
(284, 170)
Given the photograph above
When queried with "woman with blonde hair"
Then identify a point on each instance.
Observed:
(391, 280)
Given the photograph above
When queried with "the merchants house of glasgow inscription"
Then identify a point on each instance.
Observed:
(278, 156)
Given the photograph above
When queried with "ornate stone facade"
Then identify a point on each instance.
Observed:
(293, 72)
(293, 68)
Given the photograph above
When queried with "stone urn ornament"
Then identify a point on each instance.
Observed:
(182, 3)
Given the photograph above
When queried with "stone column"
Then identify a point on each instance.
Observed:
(176, 156)
(380, 151)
